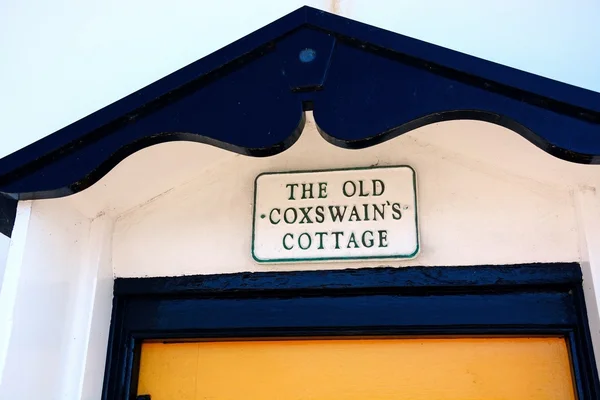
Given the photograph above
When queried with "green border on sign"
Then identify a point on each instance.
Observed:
(291, 260)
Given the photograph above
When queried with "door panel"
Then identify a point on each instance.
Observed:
(358, 369)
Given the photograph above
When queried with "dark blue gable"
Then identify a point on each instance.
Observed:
(365, 85)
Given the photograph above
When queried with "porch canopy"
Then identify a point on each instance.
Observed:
(364, 85)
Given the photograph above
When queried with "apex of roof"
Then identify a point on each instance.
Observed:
(364, 84)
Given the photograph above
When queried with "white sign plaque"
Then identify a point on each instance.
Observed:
(351, 214)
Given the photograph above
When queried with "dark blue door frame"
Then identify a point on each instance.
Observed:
(531, 299)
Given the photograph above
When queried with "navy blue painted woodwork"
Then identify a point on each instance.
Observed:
(365, 85)
(8, 211)
(530, 299)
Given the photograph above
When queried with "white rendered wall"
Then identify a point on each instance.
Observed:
(587, 204)
(55, 303)
(486, 196)
(4, 243)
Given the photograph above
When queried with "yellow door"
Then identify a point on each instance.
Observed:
(359, 369)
